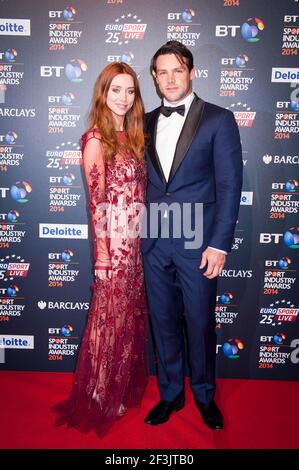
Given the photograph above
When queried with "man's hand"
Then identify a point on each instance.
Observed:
(214, 260)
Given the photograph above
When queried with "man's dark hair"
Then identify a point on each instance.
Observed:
(182, 53)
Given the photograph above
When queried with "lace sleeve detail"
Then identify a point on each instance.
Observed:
(94, 169)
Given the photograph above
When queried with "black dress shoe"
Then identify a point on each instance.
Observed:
(211, 415)
(162, 411)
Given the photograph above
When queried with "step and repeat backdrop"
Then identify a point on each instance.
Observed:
(247, 60)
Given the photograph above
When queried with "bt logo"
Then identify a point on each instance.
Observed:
(223, 30)
(293, 105)
(291, 18)
(270, 237)
(73, 70)
(65, 256)
(67, 14)
(65, 99)
(186, 15)
(240, 61)
(66, 330)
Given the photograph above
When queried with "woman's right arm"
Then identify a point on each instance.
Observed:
(94, 169)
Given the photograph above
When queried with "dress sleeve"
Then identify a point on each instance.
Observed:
(94, 169)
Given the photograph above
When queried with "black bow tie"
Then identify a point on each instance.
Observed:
(168, 110)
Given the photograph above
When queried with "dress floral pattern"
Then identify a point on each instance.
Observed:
(111, 372)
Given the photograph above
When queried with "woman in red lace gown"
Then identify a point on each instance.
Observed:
(111, 372)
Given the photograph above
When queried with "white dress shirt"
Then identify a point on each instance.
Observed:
(168, 133)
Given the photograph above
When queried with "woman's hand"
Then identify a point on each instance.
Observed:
(103, 274)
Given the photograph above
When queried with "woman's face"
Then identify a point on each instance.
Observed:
(121, 94)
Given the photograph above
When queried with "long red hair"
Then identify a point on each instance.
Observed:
(100, 115)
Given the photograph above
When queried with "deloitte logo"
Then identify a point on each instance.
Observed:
(16, 342)
(285, 75)
(14, 27)
(63, 231)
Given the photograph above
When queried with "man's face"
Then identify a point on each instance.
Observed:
(173, 78)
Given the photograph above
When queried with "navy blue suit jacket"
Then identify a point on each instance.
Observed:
(207, 168)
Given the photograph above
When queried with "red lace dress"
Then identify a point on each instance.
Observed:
(111, 372)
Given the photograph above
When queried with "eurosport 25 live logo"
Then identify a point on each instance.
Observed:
(12, 266)
(126, 28)
(64, 156)
(278, 313)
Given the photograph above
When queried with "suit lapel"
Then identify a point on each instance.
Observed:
(152, 132)
(190, 128)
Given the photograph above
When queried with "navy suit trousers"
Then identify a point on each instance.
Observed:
(176, 288)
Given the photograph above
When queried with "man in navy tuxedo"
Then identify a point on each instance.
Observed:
(194, 166)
